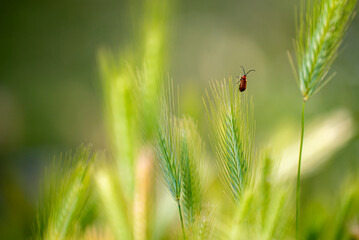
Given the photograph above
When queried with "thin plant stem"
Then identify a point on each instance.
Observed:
(298, 175)
(180, 213)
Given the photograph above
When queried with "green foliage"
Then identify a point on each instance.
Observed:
(169, 153)
(191, 170)
(114, 209)
(337, 220)
(120, 114)
(66, 195)
(322, 26)
(264, 210)
(259, 205)
(231, 119)
(203, 226)
(131, 82)
(179, 150)
(156, 26)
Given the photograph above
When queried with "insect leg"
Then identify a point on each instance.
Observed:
(239, 79)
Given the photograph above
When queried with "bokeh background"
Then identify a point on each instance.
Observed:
(50, 96)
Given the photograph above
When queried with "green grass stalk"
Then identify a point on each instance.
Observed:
(322, 26)
(180, 213)
(298, 175)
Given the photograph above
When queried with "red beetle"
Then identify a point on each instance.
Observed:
(243, 81)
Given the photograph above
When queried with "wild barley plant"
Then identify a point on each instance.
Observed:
(191, 169)
(259, 203)
(131, 92)
(66, 196)
(263, 210)
(131, 81)
(322, 26)
(168, 151)
(230, 115)
(179, 150)
(259, 210)
(198, 214)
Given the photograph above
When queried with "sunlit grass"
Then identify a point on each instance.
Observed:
(151, 142)
(231, 118)
(322, 26)
(66, 196)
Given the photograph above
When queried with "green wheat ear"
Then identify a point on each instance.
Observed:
(322, 25)
(65, 196)
(191, 170)
(168, 145)
(179, 150)
(168, 150)
(231, 118)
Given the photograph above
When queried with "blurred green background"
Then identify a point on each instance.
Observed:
(50, 96)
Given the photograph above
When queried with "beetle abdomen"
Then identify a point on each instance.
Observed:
(242, 85)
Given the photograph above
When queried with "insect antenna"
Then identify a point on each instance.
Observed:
(250, 71)
(244, 71)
